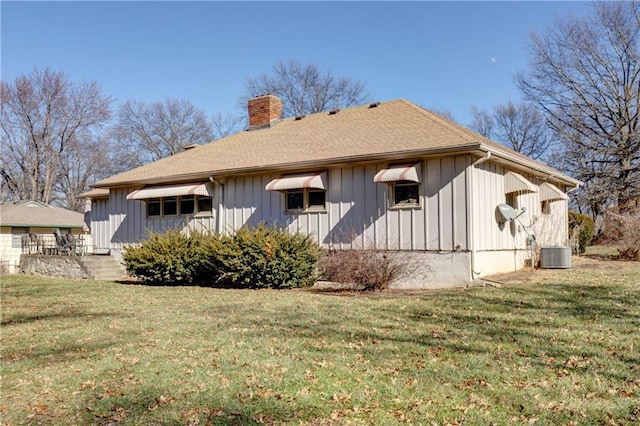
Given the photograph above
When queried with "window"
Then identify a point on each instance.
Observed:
(546, 207)
(153, 207)
(174, 206)
(295, 200)
(187, 204)
(170, 206)
(205, 204)
(305, 199)
(18, 233)
(406, 193)
(316, 199)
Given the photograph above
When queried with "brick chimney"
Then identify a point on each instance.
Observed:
(264, 111)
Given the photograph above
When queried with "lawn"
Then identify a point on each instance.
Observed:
(545, 347)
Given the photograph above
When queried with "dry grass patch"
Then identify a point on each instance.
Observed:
(561, 349)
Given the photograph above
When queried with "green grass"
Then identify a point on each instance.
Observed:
(562, 349)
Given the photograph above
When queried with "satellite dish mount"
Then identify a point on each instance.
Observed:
(509, 213)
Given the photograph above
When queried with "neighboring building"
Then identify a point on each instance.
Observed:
(391, 176)
(30, 226)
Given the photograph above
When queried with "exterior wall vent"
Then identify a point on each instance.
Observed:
(558, 257)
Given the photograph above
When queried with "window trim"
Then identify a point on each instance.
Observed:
(306, 207)
(401, 206)
(178, 200)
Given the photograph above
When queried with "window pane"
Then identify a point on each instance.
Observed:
(295, 200)
(186, 204)
(169, 206)
(316, 198)
(153, 207)
(406, 194)
(205, 204)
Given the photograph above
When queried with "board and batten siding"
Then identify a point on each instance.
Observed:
(489, 229)
(358, 212)
(500, 246)
(116, 221)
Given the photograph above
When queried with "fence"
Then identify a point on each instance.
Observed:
(67, 245)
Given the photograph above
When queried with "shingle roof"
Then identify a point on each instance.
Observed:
(360, 133)
(34, 213)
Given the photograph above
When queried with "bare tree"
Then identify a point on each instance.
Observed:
(585, 74)
(44, 116)
(521, 127)
(225, 125)
(444, 113)
(482, 122)
(305, 89)
(160, 129)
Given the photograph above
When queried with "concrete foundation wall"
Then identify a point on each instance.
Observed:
(500, 261)
(424, 270)
(52, 266)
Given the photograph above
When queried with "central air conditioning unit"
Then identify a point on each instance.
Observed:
(558, 257)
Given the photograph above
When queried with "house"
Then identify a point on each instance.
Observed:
(391, 176)
(31, 226)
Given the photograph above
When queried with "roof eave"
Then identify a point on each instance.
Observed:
(336, 161)
(530, 164)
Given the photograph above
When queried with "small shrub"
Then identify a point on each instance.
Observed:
(259, 257)
(581, 229)
(169, 258)
(362, 269)
(266, 257)
(624, 230)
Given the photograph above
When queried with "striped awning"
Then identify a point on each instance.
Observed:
(549, 192)
(204, 189)
(314, 181)
(396, 173)
(513, 182)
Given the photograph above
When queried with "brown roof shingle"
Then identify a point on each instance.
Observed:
(359, 133)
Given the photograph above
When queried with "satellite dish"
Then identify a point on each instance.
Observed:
(508, 212)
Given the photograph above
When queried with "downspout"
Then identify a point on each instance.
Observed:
(479, 161)
(220, 206)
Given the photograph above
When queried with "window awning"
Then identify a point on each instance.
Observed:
(313, 181)
(396, 173)
(549, 192)
(204, 189)
(514, 182)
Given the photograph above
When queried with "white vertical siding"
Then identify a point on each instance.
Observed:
(358, 213)
(488, 191)
(100, 230)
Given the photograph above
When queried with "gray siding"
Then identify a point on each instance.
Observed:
(357, 212)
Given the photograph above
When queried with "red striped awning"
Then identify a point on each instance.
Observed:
(204, 189)
(311, 181)
(396, 173)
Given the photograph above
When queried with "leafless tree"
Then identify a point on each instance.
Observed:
(444, 113)
(152, 131)
(225, 125)
(305, 89)
(521, 127)
(585, 74)
(482, 122)
(44, 117)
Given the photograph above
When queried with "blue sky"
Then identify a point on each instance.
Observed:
(443, 55)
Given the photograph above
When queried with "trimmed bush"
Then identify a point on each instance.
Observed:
(258, 257)
(169, 258)
(581, 229)
(266, 257)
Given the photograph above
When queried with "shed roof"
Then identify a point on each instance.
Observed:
(387, 130)
(34, 213)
